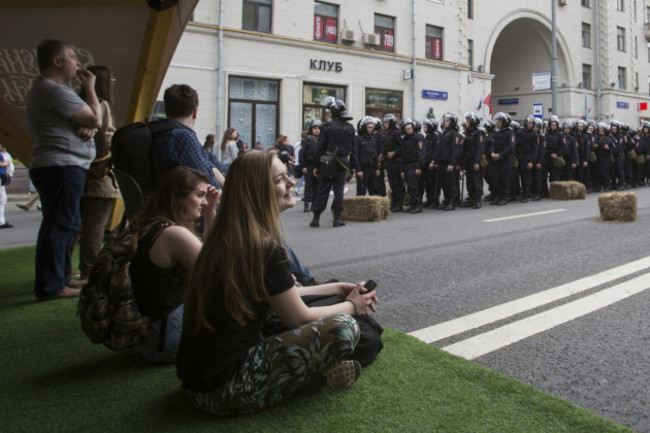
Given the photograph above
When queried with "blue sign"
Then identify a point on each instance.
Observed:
(538, 110)
(620, 104)
(511, 101)
(434, 94)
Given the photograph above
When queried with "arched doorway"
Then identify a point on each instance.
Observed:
(519, 47)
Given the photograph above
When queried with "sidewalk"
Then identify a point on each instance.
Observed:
(25, 224)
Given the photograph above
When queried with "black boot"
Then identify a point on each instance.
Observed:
(307, 207)
(316, 221)
(338, 222)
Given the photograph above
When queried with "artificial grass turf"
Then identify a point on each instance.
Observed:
(54, 379)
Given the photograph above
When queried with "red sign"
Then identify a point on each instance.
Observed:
(330, 29)
(318, 27)
(389, 40)
(643, 106)
(437, 49)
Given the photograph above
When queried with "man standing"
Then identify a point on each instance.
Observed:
(178, 144)
(308, 158)
(336, 139)
(62, 126)
(411, 163)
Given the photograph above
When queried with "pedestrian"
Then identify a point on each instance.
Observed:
(309, 154)
(6, 173)
(62, 126)
(335, 141)
(228, 149)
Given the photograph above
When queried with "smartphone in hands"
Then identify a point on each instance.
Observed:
(370, 286)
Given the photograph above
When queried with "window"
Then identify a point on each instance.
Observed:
(433, 43)
(257, 15)
(313, 97)
(585, 3)
(470, 54)
(621, 78)
(586, 35)
(253, 109)
(385, 28)
(586, 76)
(620, 38)
(620, 5)
(326, 22)
(381, 102)
(647, 14)
(470, 9)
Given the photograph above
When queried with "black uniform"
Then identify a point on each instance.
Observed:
(336, 138)
(473, 150)
(448, 155)
(503, 144)
(572, 156)
(308, 157)
(526, 150)
(602, 147)
(391, 144)
(630, 164)
(584, 152)
(430, 182)
(644, 149)
(365, 159)
(411, 163)
(555, 145)
(540, 177)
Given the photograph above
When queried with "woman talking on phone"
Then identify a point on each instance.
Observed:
(242, 274)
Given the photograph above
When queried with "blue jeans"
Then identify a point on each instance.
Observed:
(148, 349)
(60, 189)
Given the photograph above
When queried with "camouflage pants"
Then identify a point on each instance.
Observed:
(283, 364)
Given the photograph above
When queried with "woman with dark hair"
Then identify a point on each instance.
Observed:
(100, 191)
(208, 146)
(228, 148)
(167, 247)
(242, 273)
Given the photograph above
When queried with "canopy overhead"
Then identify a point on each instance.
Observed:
(133, 40)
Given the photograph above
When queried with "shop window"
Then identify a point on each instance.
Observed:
(380, 102)
(385, 28)
(253, 109)
(326, 22)
(313, 102)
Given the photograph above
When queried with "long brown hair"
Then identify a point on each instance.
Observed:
(226, 138)
(103, 84)
(230, 267)
(167, 201)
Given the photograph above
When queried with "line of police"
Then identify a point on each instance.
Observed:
(517, 162)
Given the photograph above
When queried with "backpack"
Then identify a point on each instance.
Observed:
(131, 148)
(107, 307)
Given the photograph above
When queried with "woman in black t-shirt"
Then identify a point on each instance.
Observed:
(242, 273)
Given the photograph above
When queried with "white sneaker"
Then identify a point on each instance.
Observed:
(345, 190)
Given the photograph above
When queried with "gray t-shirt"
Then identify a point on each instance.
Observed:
(49, 107)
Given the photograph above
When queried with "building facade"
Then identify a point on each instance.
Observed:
(265, 66)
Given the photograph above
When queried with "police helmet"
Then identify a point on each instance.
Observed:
(555, 119)
(363, 123)
(529, 119)
(515, 125)
(615, 123)
(315, 124)
(453, 120)
(490, 126)
(406, 121)
(472, 118)
(624, 127)
(504, 118)
(538, 122)
(378, 123)
(567, 124)
(603, 126)
(391, 120)
(434, 125)
(633, 131)
(338, 109)
(645, 124)
(581, 122)
(427, 123)
(417, 126)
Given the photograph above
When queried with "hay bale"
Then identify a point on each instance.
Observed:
(617, 206)
(567, 190)
(365, 209)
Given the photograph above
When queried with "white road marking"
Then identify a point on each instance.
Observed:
(503, 311)
(487, 342)
(526, 215)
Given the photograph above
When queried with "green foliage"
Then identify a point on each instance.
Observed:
(54, 379)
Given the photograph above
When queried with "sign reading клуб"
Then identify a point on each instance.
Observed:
(325, 65)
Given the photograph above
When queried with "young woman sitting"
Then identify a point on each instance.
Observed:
(242, 273)
(167, 247)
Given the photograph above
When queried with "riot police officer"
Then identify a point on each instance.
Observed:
(336, 139)
(308, 157)
(365, 157)
(429, 180)
(556, 149)
(617, 170)
(447, 158)
(502, 149)
(411, 163)
(571, 149)
(488, 170)
(473, 150)
(602, 147)
(539, 180)
(526, 149)
(390, 146)
(584, 152)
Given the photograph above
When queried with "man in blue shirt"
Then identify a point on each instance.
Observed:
(180, 145)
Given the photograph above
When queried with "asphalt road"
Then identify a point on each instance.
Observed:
(439, 266)
(441, 269)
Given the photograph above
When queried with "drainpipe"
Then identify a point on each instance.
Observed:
(554, 60)
(220, 103)
(598, 68)
(414, 74)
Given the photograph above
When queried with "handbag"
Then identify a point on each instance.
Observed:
(328, 166)
(6, 179)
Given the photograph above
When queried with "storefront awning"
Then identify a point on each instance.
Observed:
(133, 40)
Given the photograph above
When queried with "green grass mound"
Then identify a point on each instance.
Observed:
(54, 379)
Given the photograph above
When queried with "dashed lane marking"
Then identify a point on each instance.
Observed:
(526, 215)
